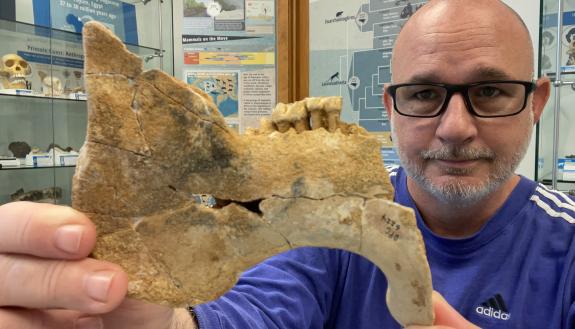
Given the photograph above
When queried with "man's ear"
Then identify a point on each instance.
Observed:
(540, 97)
(387, 101)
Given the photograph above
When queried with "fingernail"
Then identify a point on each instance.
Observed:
(69, 237)
(89, 323)
(97, 285)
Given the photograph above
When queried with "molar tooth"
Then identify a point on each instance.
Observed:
(314, 107)
(298, 116)
(279, 117)
(332, 107)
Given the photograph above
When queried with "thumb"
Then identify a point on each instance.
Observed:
(446, 315)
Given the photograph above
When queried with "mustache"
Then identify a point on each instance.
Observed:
(458, 153)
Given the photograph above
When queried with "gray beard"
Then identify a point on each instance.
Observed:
(456, 193)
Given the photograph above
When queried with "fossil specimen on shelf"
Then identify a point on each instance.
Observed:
(153, 142)
(19, 149)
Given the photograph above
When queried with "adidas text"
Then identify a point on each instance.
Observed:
(489, 311)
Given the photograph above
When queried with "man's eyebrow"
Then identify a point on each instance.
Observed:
(480, 73)
(489, 73)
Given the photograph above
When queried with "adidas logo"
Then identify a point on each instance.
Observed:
(494, 307)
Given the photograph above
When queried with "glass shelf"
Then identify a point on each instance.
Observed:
(61, 35)
(80, 98)
(555, 137)
(136, 2)
(34, 119)
(30, 167)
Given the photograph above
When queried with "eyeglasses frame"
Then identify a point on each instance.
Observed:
(463, 89)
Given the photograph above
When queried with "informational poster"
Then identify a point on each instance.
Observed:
(71, 15)
(232, 41)
(350, 51)
(258, 95)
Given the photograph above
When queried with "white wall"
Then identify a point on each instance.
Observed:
(529, 11)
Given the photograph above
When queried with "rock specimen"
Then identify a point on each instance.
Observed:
(153, 143)
(19, 149)
(51, 195)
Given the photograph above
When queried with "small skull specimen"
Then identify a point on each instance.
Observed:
(15, 69)
(51, 85)
(303, 179)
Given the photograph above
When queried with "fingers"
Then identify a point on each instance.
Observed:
(446, 316)
(45, 230)
(87, 285)
(137, 314)
(34, 319)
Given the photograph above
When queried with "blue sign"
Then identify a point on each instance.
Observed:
(71, 15)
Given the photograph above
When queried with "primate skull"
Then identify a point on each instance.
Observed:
(51, 85)
(16, 69)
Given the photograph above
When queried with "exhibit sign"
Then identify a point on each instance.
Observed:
(71, 15)
(229, 52)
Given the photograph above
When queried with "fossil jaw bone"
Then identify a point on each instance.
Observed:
(152, 142)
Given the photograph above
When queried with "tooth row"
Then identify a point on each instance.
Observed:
(317, 111)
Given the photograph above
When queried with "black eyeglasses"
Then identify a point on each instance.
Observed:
(486, 99)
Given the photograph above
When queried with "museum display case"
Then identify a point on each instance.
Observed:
(555, 133)
(43, 113)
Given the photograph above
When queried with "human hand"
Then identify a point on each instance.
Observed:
(446, 317)
(47, 281)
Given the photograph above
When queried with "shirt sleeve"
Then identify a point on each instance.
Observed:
(292, 290)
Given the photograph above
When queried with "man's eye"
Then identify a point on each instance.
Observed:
(425, 95)
(488, 91)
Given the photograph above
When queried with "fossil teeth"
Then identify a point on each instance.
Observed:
(332, 107)
(299, 116)
(280, 117)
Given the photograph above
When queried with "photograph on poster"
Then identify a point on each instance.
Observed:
(260, 16)
(221, 15)
(222, 86)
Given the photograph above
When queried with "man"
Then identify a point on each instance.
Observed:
(462, 107)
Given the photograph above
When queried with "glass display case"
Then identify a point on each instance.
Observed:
(555, 133)
(43, 113)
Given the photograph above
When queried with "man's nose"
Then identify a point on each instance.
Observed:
(457, 125)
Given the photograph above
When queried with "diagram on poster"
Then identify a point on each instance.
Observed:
(350, 53)
(222, 86)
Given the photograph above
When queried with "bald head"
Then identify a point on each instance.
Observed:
(459, 30)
